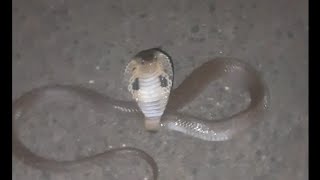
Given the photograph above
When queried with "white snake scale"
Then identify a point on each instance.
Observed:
(166, 105)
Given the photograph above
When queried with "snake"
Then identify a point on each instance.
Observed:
(149, 78)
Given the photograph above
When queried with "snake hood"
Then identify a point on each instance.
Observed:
(149, 75)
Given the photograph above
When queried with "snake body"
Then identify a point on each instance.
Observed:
(153, 68)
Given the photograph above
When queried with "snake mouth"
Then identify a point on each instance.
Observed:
(152, 124)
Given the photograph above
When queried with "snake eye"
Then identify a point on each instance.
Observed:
(163, 81)
(135, 84)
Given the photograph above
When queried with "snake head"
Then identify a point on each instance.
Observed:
(148, 62)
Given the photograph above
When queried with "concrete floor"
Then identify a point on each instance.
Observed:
(89, 42)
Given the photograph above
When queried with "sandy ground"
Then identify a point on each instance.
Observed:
(89, 43)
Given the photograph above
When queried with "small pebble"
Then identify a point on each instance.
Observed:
(97, 67)
(18, 114)
(226, 88)
(91, 81)
(124, 145)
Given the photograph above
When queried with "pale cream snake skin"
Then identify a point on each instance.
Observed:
(233, 70)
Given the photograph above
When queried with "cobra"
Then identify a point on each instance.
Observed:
(149, 76)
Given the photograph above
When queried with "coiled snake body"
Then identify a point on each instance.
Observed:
(149, 76)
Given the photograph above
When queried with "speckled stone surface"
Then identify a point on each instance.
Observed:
(89, 43)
